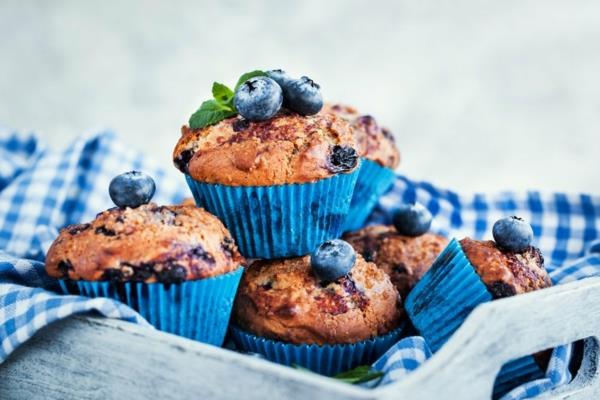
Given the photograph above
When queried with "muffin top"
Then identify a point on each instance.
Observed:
(506, 273)
(283, 300)
(404, 258)
(374, 142)
(149, 243)
(288, 148)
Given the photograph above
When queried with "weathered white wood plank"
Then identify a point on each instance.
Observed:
(502, 330)
(94, 358)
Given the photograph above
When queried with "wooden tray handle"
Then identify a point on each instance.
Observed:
(502, 330)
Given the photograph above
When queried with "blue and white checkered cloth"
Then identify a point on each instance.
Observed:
(42, 190)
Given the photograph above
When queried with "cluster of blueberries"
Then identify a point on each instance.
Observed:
(335, 258)
(261, 97)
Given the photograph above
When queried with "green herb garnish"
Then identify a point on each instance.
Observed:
(221, 106)
(354, 376)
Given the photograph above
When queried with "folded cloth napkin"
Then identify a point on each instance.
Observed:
(42, 190)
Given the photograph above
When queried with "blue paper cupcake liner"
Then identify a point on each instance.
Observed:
(445, 296)
(197, 310)
(373, 181)
(443, 299)
(326, 360)
(280, 220)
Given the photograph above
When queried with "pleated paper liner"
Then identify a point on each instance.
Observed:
(280, 220)
(373, 181)
(443, 299)
(326, 360)
(197, 310)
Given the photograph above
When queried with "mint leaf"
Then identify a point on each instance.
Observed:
(249, 75)
(222, 93)
(354, 376)
(358, 375)
(209, 113)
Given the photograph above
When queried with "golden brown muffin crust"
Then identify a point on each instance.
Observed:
(405, 259)
(288, 148)
(506, 273)
(374, 142)
(283, 300)
(148, 244)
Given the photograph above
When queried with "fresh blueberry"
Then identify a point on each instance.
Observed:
(332, 260)
(303, 96)
(412, 219)
(258, 98)
(280, 76)
(131, 189)
(512, 234)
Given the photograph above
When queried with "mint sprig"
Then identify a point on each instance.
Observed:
(221, 106)
(354, 376)
(209, 113)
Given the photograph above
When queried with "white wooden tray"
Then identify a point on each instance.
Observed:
(93, 358)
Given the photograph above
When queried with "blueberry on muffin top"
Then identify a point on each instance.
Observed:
(149, 243)
(504, 272)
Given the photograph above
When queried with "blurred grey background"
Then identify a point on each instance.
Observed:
(481, 95)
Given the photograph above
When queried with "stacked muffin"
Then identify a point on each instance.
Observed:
(471, 272)
(280, 173)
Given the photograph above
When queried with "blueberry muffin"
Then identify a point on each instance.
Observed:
(404, 258)
(280, 185)
(471, 272)
(328, 311)
(150, 243)
(178, 266)
(284, 300)
(380, 158)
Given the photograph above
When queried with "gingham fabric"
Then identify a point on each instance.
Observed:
(42, 190)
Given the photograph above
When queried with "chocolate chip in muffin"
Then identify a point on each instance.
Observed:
(501, 289)
(103, 230)
(75, 229)
(183, 159)
(342, 158)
